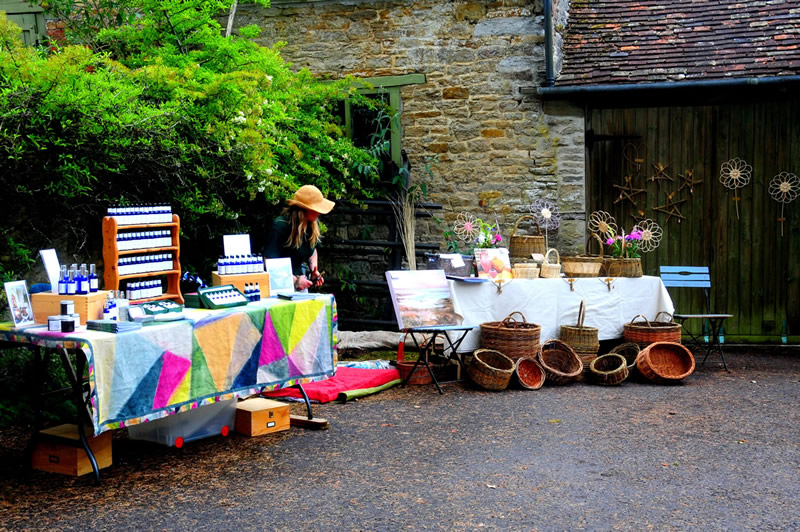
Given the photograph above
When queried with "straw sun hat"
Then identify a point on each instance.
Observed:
(310, 197)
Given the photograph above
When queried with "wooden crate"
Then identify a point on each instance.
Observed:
(259, 416)
(59, 450)
(238, 280)
(89, 306)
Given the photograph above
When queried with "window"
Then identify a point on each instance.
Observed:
(29, 18)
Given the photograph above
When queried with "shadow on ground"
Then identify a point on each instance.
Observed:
(718, 452)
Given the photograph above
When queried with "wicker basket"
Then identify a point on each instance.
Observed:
(490, 369)
(580, 338)
(529, 373)
(646, 333)
(665, 362)
(420, 375)
(551, 270)
(620, 267)
(629, 350)
(559, 361)
(511, 337)
(525, 271)
(526, 245)
(584, 265)
(609, 370)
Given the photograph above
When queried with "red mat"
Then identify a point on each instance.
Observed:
(345, 380)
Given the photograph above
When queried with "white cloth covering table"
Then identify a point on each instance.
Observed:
(550, 303)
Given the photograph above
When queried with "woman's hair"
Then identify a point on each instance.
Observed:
(299, 225)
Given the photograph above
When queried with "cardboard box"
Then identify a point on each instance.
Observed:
(89, 306)
(59, 450)
(259, 416)
(240, 279)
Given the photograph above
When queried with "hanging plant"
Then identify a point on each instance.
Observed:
(784, 188)
(735, 174)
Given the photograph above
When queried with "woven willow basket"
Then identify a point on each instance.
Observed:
(609, 370)
(559, 361)
(617, 267)
(490, 369)
(551, 270)
(665, 362)
(648, 332)
(511, 337)
(584, 265)
(525, 271)
(529, 373)
(579, 337)
(629, 350)
(526, 245)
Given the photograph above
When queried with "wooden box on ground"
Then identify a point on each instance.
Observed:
(59, 450)
(258, 416)
(89, 306)
(240, 279)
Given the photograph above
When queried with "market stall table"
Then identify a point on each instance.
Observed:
(213, 355)
(555, 302)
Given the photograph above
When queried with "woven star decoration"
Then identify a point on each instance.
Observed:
(688, 181)
(670, 208)
(627, 192)
(660, 173)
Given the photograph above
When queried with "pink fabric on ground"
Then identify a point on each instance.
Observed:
(346, 379)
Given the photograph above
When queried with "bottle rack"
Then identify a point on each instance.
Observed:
(111, 256)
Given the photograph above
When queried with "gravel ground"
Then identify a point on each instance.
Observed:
(718, 452)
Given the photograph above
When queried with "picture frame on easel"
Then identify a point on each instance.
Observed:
(19, 303)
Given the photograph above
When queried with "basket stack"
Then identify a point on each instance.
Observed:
(560, 363)
(583, 340)
(490, 369)
(526, 245)
(608, 370)
(587, 265)
(665, 362)
(513, 338)
(550, 270)
(648, 332)
(529, 373)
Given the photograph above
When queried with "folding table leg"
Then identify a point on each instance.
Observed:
(423, 358)
(75, 375)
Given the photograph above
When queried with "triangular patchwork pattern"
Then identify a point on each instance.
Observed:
(173, 370)
(247, 337)
(215, 339)
(282, 317)
(141, 401)
(249, 374)
(271, 347)
(202, 382)
(275, 372)
(133, 361)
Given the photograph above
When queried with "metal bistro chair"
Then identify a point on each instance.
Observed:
(697, 277)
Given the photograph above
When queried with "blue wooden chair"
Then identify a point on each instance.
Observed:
(697, 277)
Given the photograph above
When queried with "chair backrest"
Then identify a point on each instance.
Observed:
(688, 277)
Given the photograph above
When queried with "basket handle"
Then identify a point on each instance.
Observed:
(558, 257)
(507, 322)
(671, 319)
(594, 235)
(581, 314)
(642, 316)
(516, 225)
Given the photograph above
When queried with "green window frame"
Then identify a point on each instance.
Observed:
(29, 18)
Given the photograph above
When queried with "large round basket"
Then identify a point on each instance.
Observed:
(646, 332)
(420, 375)
(629, 350)
(551, 269)
(587, 265)
(526, 245)
(620, 267)
(511, 337)
(529, 373)
(559, 361)
(665, 362)
(608, 370)
(490, 369)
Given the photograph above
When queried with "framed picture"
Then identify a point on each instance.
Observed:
(281, 279)
(493, 263)
(19, 303)
(421, 298)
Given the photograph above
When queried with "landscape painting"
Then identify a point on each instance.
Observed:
(421, 298)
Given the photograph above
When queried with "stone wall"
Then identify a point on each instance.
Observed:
(498, 149)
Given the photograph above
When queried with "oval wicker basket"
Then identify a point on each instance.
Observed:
(587, 265)
(665, 362)
(526, 245)
(529, 373)
(511, 337)
(629, 350)
(621, 267)
(490, 369)
(525, 271)
(550, 270)
(420, 375)
(648, 332)
(609, 370)
(560, 363)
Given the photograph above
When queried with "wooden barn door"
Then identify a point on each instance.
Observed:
(754, 268)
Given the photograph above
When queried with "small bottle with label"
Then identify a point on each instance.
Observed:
(72, 284)
(94, 281)
(62, 280)
(83, 281)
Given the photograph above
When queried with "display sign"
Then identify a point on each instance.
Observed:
(19, 303)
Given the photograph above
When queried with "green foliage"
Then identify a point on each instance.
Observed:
(159, 106)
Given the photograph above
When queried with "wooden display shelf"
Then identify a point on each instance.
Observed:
(111, 257)
(146, 250)
(162, 297)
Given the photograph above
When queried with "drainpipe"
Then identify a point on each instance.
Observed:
(550, 79)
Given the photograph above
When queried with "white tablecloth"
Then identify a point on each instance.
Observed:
(550, 303)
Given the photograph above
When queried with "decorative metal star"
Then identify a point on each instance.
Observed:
(670, 208)
(660, 173)
(627, 192)
(688, 181)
